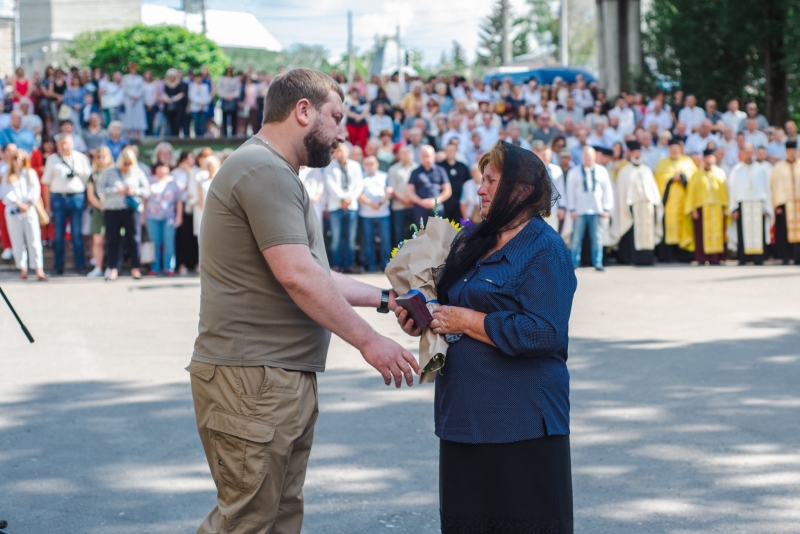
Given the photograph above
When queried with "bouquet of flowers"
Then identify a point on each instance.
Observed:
(410, 272)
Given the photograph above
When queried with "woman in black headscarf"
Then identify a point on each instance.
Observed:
(502, 399)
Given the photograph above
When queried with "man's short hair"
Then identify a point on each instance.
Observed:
(287, 89)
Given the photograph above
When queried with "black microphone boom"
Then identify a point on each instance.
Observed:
(21, 324)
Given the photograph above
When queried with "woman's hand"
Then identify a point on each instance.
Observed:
(407, 323)
(451, 320)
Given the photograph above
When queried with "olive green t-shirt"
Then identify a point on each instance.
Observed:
(256, 201)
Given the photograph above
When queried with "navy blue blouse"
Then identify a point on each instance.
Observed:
(519, 390)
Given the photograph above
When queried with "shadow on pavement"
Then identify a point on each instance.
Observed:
(695, 438)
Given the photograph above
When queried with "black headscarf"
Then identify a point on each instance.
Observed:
(525, 191)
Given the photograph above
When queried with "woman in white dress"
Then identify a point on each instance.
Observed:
(134, 121)
(19, 190)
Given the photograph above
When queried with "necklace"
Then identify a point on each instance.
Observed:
(262, 139)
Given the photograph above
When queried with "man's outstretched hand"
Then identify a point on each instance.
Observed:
(391, 360)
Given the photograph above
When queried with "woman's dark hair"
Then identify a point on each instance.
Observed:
(184, 155)
(525, 191)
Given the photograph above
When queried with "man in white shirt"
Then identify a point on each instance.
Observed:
(734, 116)
(731, 146)
(489, 134)
(453, 130)
(373, 212)
(652, 153)
(590, 200)
(64, 195)
(752, 113)
(625, 117)
(30, 121)
(658, 116)
(343, 186)
(473, 150)
(582, 95)
(698, 141)
(532, 94)
(692, 116)
(613, 133)
(595, 138)
(753, 135)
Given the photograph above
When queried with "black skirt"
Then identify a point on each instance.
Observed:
(523, 487)
(186, 252)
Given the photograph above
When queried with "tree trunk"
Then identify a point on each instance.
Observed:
(774, 66)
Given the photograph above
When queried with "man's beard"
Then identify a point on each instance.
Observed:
(318, 148)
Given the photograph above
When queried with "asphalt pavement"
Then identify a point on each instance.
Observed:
(685, 398)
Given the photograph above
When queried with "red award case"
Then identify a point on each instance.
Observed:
(414, 303)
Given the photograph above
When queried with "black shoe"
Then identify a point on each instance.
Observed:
(355, 269)
(59, 272)
(83, 271)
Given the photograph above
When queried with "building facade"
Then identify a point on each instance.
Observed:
(46, 24)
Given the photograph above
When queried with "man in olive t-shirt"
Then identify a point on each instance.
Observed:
(268, 304)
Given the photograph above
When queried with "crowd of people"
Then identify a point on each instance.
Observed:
(638, 179)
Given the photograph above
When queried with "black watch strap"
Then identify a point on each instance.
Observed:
(384, 301)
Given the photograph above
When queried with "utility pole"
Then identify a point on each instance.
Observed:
(506, 41)
(17, 37)
(564, 41)
(401, 62)
(350, 62)
(203, 15)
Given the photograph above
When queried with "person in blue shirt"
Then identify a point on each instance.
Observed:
(502, 398)
(428, 185)
(116, 141)
(16, 134)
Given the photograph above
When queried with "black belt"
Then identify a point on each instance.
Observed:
(69, 194)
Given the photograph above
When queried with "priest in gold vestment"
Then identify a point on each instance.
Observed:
(672, 176)
(706, 207)
(785, 185)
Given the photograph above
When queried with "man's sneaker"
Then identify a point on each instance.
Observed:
(7, 254)
(97, 272)
(599, 268)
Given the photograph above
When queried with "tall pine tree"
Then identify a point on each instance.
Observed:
(490, 37)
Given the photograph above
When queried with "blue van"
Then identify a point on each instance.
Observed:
(543, 75)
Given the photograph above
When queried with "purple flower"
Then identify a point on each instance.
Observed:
(465, 223)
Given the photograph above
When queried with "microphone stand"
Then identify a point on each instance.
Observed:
(21, 324)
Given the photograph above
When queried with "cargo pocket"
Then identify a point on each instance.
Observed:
(240, 452)
(204, 371)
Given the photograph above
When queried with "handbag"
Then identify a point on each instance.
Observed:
(230, 106)
(131, 201)
(64, 112)
(44, 218)
(148, 252)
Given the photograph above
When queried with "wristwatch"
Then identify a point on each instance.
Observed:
(384, 301)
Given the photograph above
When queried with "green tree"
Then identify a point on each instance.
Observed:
(296, 55)
(158, 48)
(490, 37)
(720, 49)
(458, 58)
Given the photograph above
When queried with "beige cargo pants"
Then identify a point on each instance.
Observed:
(256, 425)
